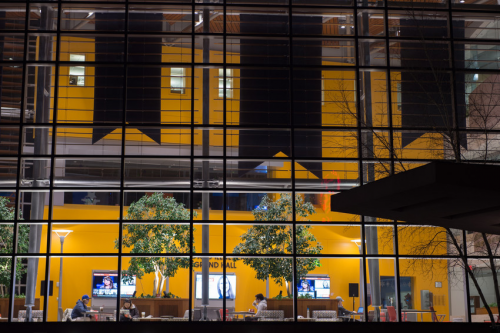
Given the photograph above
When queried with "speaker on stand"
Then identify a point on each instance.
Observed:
(353, 292)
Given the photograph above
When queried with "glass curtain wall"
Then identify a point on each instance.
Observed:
(183, 153)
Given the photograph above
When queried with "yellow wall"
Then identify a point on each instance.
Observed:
(91, 238)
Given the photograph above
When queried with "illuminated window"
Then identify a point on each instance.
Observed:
(229, 83)
(76, 73)
(177, 80)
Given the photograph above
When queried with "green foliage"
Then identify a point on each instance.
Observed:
(146, 296)
(305, 296)
(7, 242)
(280, 297)
(170, 295)
(156, 238)
(277, 239)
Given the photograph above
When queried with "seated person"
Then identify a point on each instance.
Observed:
(80, 309)
(133, 312)
(261, 304)
(343, 312)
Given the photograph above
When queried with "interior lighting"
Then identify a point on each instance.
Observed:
(62, 233)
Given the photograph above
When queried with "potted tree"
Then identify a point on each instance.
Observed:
(277, 239)
(156, 238)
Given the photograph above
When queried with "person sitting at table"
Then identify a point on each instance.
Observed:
(133, 312)
(261, 304)
(343, 312)
(81, 309)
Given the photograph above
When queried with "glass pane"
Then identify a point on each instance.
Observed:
(214, 201)
(138, 277)
(88, 141)
(328, 239)
(8, 170)
(33, 205)
(30, 136)
(258, 143)
(418, 24)
(81, 17)
(215, 244)
(323, 143)
(172, 142)
(323, 52)
(76, 238)
(87, 172)
(326, 22)
(28, 269)
(257, 21)
(159, 48)
(43, 17)
(85, 205)
(89, 48)
(154, 205)
(157, 172)
(99, 284)
(381, 289)
(372, 53)
(371, 23)
(320, 175)
(6, 264)
(160, 19)
(440, 293)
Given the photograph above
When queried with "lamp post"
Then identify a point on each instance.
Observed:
(62, 235)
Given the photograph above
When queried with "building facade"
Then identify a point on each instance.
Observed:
(189, 149)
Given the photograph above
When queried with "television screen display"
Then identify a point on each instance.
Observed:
(105, 284)
(316, 287)
(216, 286)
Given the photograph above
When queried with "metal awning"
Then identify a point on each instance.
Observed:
(455, 195)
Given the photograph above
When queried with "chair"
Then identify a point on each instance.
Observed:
(324, 315)
(272, 315)
(391, 312)
(437, 318)
(227, 315)
(67, 315)
(21, 315)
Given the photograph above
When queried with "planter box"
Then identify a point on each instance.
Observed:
(161, 306)
(481, 311)
(18, 305)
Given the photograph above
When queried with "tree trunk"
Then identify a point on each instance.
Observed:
(162, 277)
(289, 285)
(155, 285)
(493, 268)
(471, 274)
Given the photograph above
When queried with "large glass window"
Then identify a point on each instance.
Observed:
(182, 155)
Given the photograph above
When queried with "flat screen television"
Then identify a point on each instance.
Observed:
(216, 287)
(316, 287)
(105, 284)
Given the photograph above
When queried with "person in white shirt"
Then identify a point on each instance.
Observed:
(261, 304)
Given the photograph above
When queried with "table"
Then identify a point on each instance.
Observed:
(147, 319)
(306, 319)
(103, 316)
(243, 313)
(354, 314)
(417, 311)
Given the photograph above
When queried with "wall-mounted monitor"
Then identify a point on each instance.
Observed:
(216, 286)
(105, 284)
(316, 287)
